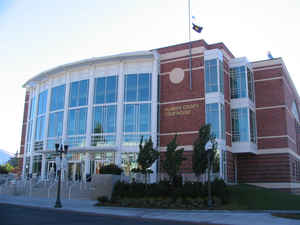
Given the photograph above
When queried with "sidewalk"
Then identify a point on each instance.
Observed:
(213, 216)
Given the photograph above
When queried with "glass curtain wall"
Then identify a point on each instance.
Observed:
(137, 108)
(239, 80)
(240, 127)
(105, 111)
(214, 77)
(40, 121)
(77, 114)
(250, 84)
(56, 116)
(214, 113)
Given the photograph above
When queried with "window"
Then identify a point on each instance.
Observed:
(40, 121)
(250, 84)
(42, 104)
(40, 126)
(57, 98)
(137, 118)
(211, 76)
(138, 87)
(103, 140)
(55, 127)
(79, 92)
(32, 109)
(295, 111)
(137, 115)
(37, 165)
(29, 133)
(238, 82)
(240, 129)
(223, 129)
(77, 127)
(77, 121)
(221, 71)
(134, 139)
(129, 161)
(106, 90)
(212, 117)
(104, 119)
(252, 126)
(105, 111)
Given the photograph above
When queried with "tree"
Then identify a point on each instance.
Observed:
(9, 167)
(147, 156)
(173, 160)
(14, 161)
(199, 159)
(5, 169)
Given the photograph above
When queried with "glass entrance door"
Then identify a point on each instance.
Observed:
(97, 167)
(51, 170)
(75, 171)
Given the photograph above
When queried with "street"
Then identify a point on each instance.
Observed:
(19, 215)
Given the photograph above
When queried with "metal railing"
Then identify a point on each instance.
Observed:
(51, 186)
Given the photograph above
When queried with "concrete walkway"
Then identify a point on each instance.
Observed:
(211, 216)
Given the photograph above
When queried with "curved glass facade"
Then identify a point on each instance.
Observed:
(73, 100)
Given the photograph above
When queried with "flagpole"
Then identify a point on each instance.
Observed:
(190, 45)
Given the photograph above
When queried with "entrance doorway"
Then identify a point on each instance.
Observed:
(75, 171)
(98, 164)
(51, 170)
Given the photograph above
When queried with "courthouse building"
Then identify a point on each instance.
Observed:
(100, 108)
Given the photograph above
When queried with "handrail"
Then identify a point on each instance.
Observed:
(70, 189)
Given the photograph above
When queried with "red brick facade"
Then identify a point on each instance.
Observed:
(24, 127)
(276, 126)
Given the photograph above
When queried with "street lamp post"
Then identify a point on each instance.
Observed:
(60, 151)
(209, 149)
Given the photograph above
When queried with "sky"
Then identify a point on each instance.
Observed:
(38, 35)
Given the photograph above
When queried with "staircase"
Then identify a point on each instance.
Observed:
(46, 189)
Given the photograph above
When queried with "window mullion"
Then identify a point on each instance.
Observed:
(218, 76)
(105, 90)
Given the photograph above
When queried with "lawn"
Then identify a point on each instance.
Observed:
(248, 197)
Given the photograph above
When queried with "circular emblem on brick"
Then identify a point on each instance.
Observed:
(176, 75)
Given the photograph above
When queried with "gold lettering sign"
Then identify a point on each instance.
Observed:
(180, 110)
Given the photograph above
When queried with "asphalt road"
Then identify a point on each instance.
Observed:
(20, 215)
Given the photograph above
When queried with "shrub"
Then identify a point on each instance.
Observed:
(3, 170)
(111, 169)
(192, 190)
(158, 189)
(220, 190)
(103, 199)
(136, 190)
(121, 190)
(163, 189)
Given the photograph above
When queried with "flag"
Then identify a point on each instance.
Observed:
(197, 28)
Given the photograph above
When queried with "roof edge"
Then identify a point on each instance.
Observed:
(88, 61)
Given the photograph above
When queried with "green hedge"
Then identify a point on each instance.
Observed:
(164, 189)
(3, 169)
